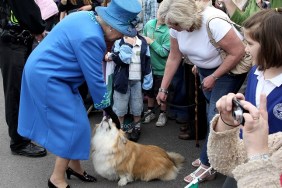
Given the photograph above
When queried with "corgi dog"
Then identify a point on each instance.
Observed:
(117, 158)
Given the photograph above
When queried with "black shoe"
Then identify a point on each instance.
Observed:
(171, 116)
(30, 150)
(186, 135)
(181, 120)
(85, 177)
(184, 127)
(134, 135)
(51, 185)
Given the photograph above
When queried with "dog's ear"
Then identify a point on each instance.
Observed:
(105, 118)
(111, 121)
(122, 137)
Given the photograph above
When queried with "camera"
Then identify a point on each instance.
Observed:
(237, 111)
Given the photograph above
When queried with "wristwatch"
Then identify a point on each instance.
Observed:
(165, 91)
(264, 157)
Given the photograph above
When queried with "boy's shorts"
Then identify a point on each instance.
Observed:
(133, 98)
(157, 81)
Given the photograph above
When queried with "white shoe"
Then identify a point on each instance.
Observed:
(162, 120)
(150, 117)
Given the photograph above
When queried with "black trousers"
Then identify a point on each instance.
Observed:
(12, 61)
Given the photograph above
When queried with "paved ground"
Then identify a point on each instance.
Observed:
(23, 172)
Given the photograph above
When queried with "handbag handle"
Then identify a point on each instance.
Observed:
(212, 41)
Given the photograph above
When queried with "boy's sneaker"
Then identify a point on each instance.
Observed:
(150, 117)
(126, 128)
(162, 120)
(135, 134)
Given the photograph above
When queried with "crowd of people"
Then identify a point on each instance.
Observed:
(147, 41)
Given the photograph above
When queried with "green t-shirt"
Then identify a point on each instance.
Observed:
(160, 48)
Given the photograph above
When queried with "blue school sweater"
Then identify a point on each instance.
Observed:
(274, 102)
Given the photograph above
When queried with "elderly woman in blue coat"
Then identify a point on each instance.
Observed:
(51, 109)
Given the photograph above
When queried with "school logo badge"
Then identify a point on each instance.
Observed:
(277, 111)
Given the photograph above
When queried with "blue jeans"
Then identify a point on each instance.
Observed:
(179, 97)
(224, 85)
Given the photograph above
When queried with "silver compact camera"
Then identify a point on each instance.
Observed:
(237, 111)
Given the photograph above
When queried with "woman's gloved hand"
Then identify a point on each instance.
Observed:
(109, 112)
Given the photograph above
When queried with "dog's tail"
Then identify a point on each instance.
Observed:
(177, 159)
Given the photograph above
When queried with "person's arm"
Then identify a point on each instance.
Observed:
(92, 6)
(229, 5)
(225, 149)
(28, 14)
(85, 8)
(262, 172)
(263, 167)
(235, 50)
(62, 15)
(95, 4)
(172, 64)
(148, 74)
(62, 5)
(121, 54)
(161, 49)
(238, 16)
(227, 152)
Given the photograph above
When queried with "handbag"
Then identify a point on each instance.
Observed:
(246, 62)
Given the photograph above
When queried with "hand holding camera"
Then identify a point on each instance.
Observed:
(237, 111)
(234, 110)
(255, 131)
(226, 109)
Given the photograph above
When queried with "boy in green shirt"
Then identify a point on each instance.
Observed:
(157, 36)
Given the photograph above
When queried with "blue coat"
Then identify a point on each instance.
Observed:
(51, 109)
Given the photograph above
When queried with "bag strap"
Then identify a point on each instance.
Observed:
(238, 27)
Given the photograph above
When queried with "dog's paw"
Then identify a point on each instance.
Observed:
(122, 181)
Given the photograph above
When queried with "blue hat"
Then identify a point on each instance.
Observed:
(121, 15)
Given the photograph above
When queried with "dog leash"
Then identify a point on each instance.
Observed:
(183, 106)
(128, 128)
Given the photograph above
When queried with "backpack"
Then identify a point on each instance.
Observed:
(5, 12)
